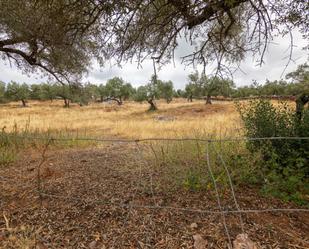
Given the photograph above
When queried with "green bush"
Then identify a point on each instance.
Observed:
(285, 162)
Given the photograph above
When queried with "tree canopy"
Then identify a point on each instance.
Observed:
(61, 37)
(221, 31)
(54, 36)
(18, 92)
(201, 86)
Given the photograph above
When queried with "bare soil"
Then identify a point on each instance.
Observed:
(88, 194)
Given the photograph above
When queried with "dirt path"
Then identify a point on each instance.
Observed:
(86, 200)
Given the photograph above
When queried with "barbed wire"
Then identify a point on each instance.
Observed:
(116, 140)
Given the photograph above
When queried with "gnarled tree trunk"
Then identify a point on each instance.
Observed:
(301, 101)
(152, 104)
(66, 103)
(208, 100)
(24, 103)
(119, 101)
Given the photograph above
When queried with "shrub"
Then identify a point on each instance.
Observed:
(285, 162)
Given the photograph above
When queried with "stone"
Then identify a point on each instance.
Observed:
(199, 242)
(193, 225)
(242, 241)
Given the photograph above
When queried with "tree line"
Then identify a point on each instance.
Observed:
(115, 89)
(199, 86)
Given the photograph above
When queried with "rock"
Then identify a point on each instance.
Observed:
(199, 242)
(242, 241)
(164, 118)
(93, 244)
(193, 225)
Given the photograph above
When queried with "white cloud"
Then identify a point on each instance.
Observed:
(275, 61)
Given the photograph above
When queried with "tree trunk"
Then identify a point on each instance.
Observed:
(66, 103)
(24, 103)
(208, 100)
(190, 98)
(301, 101)
(152, 104)
(119, 101)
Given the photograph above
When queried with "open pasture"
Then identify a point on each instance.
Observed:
(130, 120)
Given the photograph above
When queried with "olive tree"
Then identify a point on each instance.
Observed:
(18, 92)
(48, 91)
(2, 92)
(222, 31)
(64, 92)
(189, 91)
(35, 91)
(166, 90)
(61, 37)
(301, 77)
(55, 37)
(202, 86)
(116, 89)
(149, 93)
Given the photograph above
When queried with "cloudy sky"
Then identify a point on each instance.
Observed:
(275, 62)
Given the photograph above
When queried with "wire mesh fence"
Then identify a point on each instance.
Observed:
(191, 180)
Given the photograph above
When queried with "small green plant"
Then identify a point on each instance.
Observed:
(7, 156)
(193, 181)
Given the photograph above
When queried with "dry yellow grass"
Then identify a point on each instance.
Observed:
(130, 120)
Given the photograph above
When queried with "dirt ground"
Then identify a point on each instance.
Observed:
(103, 198)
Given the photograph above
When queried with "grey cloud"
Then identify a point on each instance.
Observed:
(272, 69)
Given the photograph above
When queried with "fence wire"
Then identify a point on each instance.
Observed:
(209, 143)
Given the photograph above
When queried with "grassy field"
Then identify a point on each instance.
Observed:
(131, 120)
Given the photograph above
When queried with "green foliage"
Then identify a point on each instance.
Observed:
(166, 90)
(299, 84)
(193, 181)
(2, 92)
(285, 162)
(48, 92)
(35, 92)
(18, 92)
(141, 94)
(155, 89)
(179, 93)
(202, 86)
(53, 37)
(102, 92)
(64, 92)
(115, 89)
